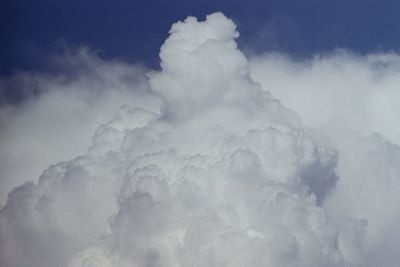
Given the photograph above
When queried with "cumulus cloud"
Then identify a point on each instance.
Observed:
(353, 92)
(204, 167)
(350, 102)
(60, 112)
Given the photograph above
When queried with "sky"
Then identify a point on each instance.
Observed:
(134, 30)
(199, 133)
(32, 31)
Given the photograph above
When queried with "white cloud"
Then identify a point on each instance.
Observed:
(219, 173)
(58, 123)
(359, 93)
(351, 103)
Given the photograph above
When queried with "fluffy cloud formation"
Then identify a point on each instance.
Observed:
(204, 167)
(358, 93)
(351, 103)
(60, 112)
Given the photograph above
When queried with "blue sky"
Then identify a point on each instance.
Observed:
(134, 30)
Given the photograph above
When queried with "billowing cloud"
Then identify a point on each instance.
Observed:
(350, 102)
(204, 167)
(60, 112)
(358, 93)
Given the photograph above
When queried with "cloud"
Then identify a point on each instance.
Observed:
(57, 121)
(204, 166)
(350, 91)
(350, 101)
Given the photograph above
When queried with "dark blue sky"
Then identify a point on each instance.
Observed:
(134, 30)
